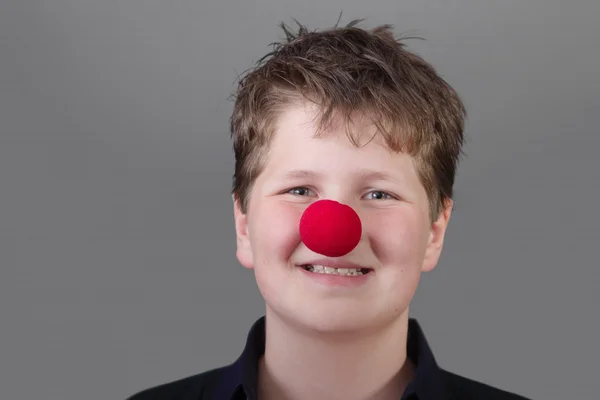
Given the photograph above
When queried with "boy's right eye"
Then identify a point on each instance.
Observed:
(299, 191)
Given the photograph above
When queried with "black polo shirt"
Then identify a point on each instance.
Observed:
(238, 381)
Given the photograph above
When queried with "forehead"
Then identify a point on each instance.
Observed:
(299, 122)
(297, 131)
(298, 144)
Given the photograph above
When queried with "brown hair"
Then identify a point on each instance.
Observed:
(349, 70)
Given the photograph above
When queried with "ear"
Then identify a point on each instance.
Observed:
(244, 248)
(436, 238)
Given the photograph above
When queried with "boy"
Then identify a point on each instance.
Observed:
(349, 116)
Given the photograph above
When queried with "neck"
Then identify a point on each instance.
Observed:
(299, 365)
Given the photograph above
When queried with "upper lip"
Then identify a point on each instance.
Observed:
(335, 264)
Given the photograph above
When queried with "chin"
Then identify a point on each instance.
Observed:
(338, 322)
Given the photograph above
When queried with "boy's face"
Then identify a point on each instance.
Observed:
(398, 240)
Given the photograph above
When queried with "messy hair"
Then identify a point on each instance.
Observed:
(347, 71)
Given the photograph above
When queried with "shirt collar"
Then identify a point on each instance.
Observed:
(428, 384)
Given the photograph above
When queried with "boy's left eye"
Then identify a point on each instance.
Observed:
(379, 195)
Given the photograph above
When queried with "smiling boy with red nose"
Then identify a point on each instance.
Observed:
(346, 149)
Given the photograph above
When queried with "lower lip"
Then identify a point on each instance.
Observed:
(337, 280)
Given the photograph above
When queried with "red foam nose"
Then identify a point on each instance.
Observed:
(330, 228)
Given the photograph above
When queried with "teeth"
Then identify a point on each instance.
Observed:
(320, 269)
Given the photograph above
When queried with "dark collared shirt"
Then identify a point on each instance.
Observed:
(239, 380)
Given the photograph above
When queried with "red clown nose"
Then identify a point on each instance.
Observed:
(330, 228)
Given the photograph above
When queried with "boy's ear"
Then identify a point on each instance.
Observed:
(436, 238)
(244, 249)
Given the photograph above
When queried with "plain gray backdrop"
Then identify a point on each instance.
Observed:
(117, 243)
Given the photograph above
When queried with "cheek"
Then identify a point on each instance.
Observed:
(397, 236)
(274, 239)
(274, 232)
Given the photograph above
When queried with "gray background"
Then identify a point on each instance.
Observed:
(117, 242)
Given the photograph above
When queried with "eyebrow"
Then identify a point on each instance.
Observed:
(300, 174)
(363, 174)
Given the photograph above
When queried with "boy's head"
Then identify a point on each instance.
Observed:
(349, 72)
(349, 115)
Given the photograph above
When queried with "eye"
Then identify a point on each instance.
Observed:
(299, 191)
(379, 195)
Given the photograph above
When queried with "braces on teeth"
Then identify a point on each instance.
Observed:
(320, 269)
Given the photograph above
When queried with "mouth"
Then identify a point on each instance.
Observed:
(321, 269)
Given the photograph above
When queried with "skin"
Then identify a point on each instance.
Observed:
(326, 342)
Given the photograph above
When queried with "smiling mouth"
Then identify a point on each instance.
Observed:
(320, 269)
